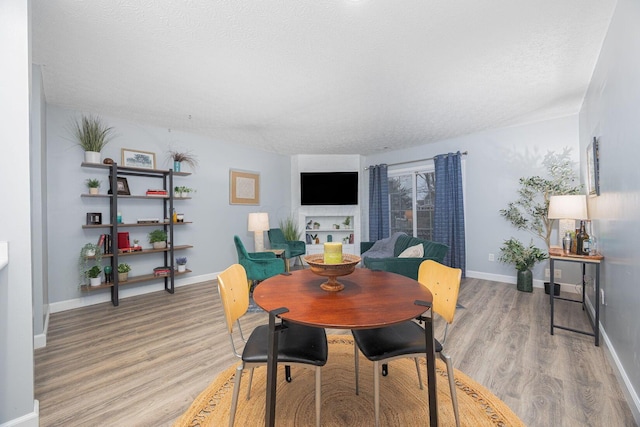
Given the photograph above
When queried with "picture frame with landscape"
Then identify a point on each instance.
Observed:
(138, 159)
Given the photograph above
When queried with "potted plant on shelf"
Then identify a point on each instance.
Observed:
(347, 222)
(123, 272)
(182, 264)
(178, 157)
(91, 135)
(94, 275)
(94, 185)
(89, 251)
(530, 211)
(158, 238)
(524, 258)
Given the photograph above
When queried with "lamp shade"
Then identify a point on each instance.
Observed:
(258, 221)
(568, 207)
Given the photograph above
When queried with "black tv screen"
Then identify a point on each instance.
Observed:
(329, 188)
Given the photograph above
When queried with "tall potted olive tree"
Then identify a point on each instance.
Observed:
(530, 210)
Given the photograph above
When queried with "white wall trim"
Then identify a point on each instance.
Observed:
(40, 340)
(537, 283)
(92, 299)
(631, 395)
(31, 419)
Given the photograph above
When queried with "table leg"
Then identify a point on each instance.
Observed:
(272, 367)
(552, 288)
(431, 365)
(596, 326)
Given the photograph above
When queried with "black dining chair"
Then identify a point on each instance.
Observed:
(305, 346)
(407, 339)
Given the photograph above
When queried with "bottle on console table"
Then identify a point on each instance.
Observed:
(582, 241)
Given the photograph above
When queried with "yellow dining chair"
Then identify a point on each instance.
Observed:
(406, 339)
(305, 346)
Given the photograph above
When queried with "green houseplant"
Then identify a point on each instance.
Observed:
(93, 184)
(158, 238)
(524, 258)
(90, 251)
(530, 210)
(290, 229)
(94, 275)
(92, 135)
(123, 272)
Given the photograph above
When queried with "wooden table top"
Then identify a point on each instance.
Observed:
(369, 299)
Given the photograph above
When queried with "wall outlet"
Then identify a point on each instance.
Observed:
(557, 273)
(491, 257)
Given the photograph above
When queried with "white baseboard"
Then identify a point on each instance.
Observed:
(98, 298)
(31, 419)
(564, 287)
(40, 340)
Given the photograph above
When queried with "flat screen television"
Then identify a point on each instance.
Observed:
(328, 188)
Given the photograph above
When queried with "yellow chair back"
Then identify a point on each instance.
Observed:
(234, 293)
(444, 284)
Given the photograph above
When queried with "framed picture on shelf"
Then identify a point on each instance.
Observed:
(94, 218)
(593, 168)
(138, 159)
(244, 187)
(122, 186)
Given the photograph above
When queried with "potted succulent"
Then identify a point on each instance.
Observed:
(94, 185)
(524, 258)
(94, 275)
(178, 157)
(87, 252)
(158, 238)
(91, 135)
(123, 272)
(182, 264)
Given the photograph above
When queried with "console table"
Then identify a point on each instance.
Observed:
(595, 260)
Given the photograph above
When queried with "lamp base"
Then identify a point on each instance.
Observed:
(258, 241)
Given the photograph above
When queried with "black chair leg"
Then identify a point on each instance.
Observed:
(385, 369)
(287, 373)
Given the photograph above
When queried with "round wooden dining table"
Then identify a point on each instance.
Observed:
(370, 299)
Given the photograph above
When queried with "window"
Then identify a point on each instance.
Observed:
(412, 195)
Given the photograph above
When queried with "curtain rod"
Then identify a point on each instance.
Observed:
(464, 153)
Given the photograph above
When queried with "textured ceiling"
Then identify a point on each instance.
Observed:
(310, 76)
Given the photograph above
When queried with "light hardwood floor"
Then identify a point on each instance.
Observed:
(142, 363)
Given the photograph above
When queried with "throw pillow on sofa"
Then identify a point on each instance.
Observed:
(416, 251)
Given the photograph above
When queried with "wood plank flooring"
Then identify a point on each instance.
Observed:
(143, 363)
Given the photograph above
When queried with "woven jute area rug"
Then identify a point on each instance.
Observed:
(402, 403)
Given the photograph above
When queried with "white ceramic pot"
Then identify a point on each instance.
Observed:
(159, 245)
(182, 268)
(93, 190)
(123, 277)
(95, 281)
(92, 157)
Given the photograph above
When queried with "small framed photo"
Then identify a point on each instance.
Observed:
(94, 218)
(244, 187)
(123, 186)
(593, 168)
(138, 159)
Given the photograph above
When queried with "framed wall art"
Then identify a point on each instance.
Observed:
(122, 186)
(244, 187)
(138, 159)
(593, 168)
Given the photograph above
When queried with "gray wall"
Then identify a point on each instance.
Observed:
(610, 112)
(496, 160)
(16, 326)
(215, 221)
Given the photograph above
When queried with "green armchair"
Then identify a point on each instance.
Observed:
(258, 265)
(292, 248)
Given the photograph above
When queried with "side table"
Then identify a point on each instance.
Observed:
(280, 254)
(595, 260)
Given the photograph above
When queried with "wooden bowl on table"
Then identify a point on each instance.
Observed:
(318, 266)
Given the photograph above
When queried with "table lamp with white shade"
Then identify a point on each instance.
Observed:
(567, 209)
(258, 223)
